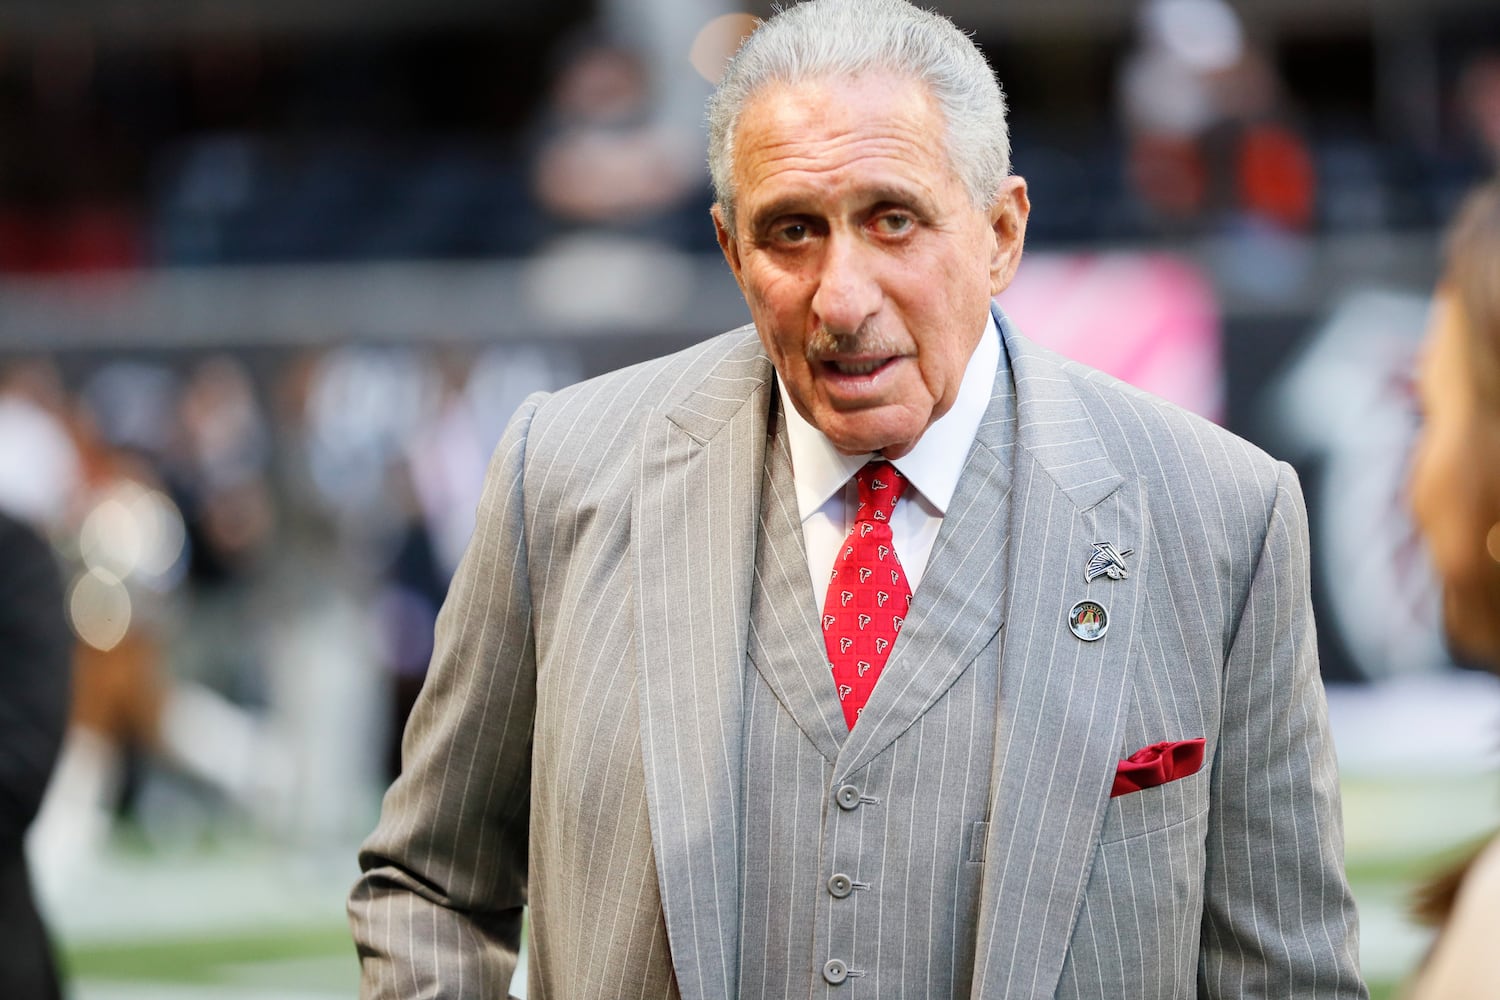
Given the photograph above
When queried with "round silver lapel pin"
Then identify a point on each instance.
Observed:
(1088, 620)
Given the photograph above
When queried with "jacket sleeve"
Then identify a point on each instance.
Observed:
(36, 656)
(437, 909)
(1278, 919)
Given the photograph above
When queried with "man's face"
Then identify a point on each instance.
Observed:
(866, 266)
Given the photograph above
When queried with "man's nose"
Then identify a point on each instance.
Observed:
(848, 292)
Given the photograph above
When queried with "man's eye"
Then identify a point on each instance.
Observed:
(893, 224)
(795, 232)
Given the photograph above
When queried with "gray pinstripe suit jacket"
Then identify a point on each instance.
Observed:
(582, 734)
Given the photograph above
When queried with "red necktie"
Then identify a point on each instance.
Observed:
(868, 594)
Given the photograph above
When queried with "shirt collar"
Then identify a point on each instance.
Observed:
(933, 466)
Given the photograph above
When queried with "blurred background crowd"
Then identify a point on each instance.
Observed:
(273, 276)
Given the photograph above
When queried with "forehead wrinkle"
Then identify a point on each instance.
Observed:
(904, 157)
(777, 117)
(776, 141)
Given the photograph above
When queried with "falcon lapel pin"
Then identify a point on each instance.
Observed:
(1106, 561)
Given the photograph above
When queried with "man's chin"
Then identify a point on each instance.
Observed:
(891, 429)
(890, 443)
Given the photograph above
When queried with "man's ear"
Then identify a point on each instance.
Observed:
(727, 242)
(1008, 216)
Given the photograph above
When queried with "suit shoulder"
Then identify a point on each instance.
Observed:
(658, 383)
(599, 420)
(1170, 446)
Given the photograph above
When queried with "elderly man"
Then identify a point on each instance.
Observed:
(871, 651)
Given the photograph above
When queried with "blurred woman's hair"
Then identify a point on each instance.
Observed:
(1471, 593)
(1471, 273)
(1471, 280)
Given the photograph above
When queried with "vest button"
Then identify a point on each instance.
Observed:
(835, 971)
(840, 885)
(847, 797)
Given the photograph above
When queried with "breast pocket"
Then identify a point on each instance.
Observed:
(1151, 810)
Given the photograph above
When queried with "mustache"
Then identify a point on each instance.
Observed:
(866, 340)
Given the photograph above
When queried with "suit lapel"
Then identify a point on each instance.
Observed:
(1061, 699)
(694, 522)
(786, 643)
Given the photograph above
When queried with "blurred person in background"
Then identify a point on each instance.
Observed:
(113, 517)
(36, 652)
(214, 463)
(1212, 147)
(603, 164)
(141, 698)
(1455, 495)
(652, 716)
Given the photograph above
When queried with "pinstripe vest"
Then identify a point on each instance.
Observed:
(864, 850)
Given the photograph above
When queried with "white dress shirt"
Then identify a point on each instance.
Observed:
(827, 494)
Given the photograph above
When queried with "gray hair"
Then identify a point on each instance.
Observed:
(836, 38)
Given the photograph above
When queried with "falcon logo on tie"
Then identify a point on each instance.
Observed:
(897, 621)
(861, 638)
(908, 600)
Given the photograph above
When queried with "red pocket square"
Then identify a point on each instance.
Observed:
(1157, 764)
